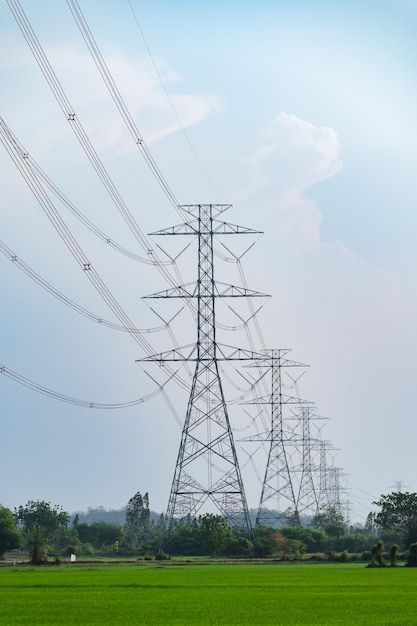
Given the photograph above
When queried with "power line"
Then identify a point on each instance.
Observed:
(46, 391)
(118, 99)
(58, 193)
(171, 103)
(18, 157)
(30, 272)
(80, 133)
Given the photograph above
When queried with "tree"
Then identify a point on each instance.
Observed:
(137, 518)
(331, 520)
(9, 534)
(40, 521)
(370, 526)
(214, 532)
(76, 522)
(398, 512)
(393, 555)
(100, 534)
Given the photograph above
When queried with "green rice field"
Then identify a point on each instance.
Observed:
(208, 594)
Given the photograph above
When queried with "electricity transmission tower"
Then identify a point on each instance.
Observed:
(207, 467)
(323, 496)
(307, 501)
(278, 498)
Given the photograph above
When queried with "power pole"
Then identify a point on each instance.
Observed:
(278, 499)
(335, 488)
(207, 434)
(324, 495)
(399, 485)
(307, 500)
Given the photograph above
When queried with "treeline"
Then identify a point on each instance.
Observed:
(47, 531)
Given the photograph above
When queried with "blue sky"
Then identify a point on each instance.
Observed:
(304, 114)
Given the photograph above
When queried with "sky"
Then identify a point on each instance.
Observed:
(303, 116)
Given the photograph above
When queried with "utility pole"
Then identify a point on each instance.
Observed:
(399, 485)
(323, 495)
(307, 500)
(278, 499)
(207, 468)
(324, 492)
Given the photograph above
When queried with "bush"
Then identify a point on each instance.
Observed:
(412, 556)
(344, 556)
(238, 546)
(86, 549)
(161, 555)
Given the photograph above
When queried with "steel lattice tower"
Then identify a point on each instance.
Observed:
(278, 498)
(323, 495)
(307, 501)
(207, 467)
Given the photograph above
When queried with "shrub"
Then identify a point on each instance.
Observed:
(344, 556)
(161, 555)
(412, 556)
(86, 549)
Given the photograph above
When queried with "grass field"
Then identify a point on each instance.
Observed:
(208, 594)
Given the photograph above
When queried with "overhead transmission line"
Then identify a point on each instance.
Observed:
(127, 118)
(171, 103)
(31, 273)
(58, 193)
(119, 101)
(46, 391)
(86, 144)
(81, 135)
(17, 154)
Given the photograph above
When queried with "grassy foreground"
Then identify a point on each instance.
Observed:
(208, 594)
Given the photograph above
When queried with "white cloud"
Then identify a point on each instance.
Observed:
(295, 154)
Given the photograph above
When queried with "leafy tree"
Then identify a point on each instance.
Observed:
(370, 526)
(76, 522)
(393, 555)
(40, 521)
(270, 541)
(398, 512)
(331, 520)
(214, 532)
(137, 518)
(185, 539)
(313, 539)
(9, 534)
(100, 534)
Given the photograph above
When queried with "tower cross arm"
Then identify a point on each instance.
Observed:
(221, 290)
(281, 398)
(215, 227)
(190, 353)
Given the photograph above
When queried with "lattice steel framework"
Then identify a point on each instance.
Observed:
(207, 467)
(323, 494)
(307, 500)
(278, 499)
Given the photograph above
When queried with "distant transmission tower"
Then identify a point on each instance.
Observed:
(324, 494)
(335, 487)
(278, 498)
(307, 499)
(399, 485)
(207, 467)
